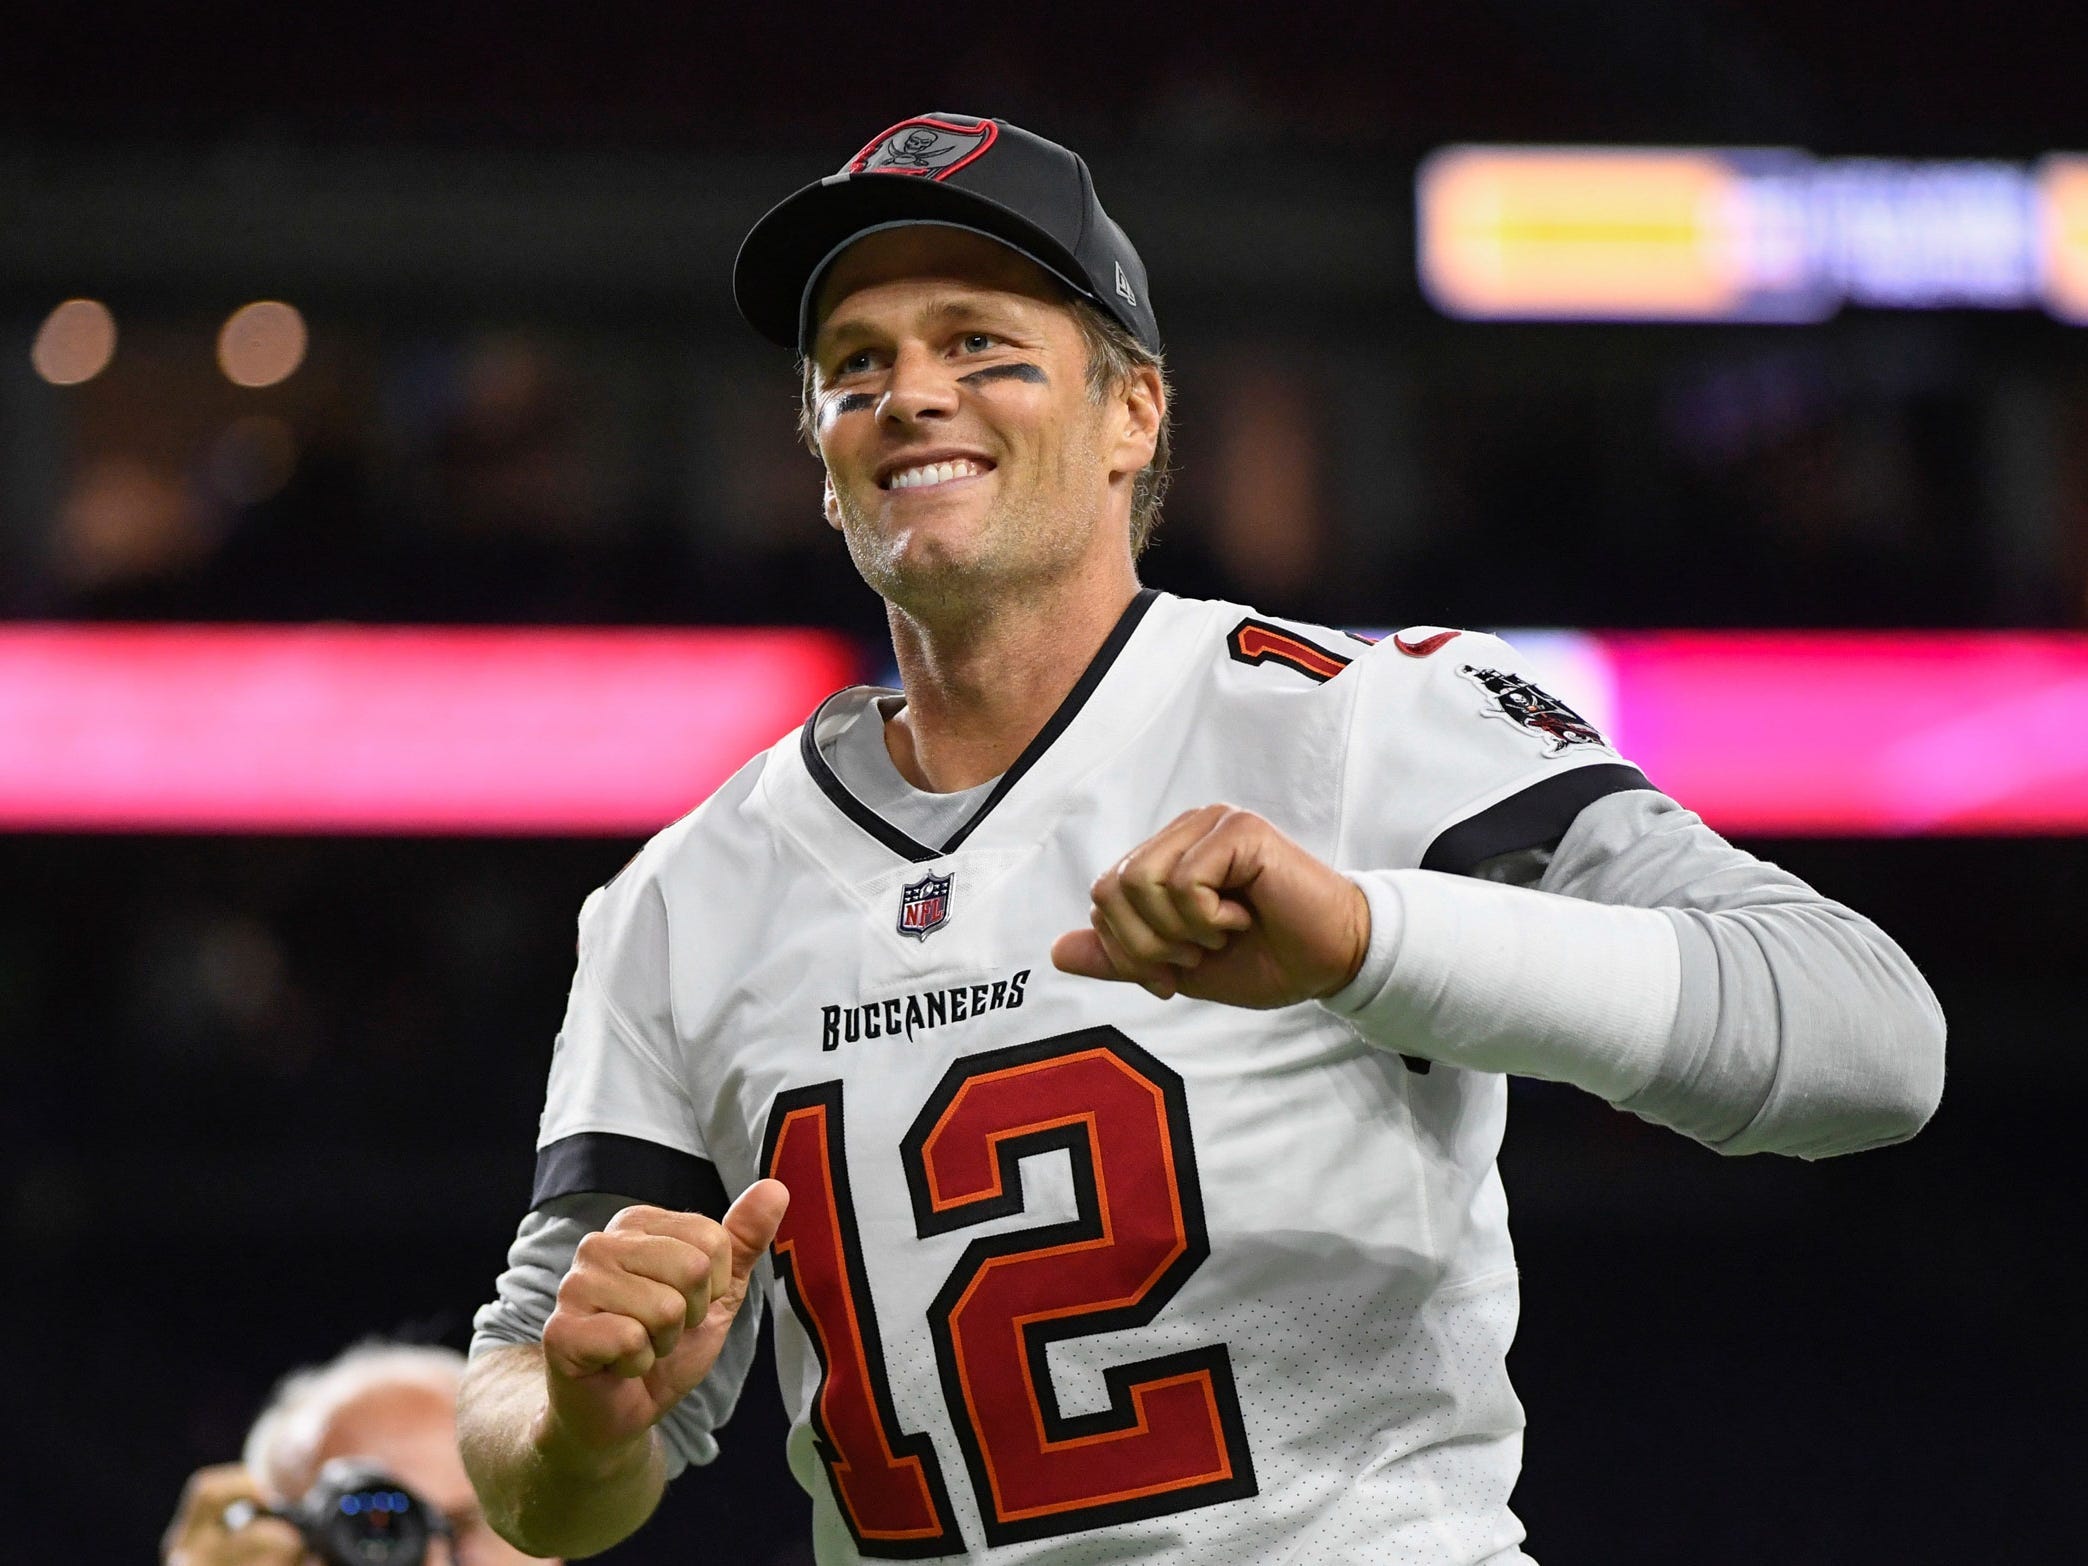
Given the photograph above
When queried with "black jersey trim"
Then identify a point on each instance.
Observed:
(1069, 709)
(1540, 814)
(861, 814)
(628, 1166)
(905, 845)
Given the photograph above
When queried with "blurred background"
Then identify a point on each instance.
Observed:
(387, 320)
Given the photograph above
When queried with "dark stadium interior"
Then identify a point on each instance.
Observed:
(270, 1093)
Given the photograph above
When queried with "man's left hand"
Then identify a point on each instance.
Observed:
(1221, 906)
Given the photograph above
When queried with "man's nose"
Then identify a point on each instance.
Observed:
(921, 388)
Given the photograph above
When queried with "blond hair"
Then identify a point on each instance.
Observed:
(283, 1445)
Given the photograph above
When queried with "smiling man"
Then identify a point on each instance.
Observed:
(1094, 1052)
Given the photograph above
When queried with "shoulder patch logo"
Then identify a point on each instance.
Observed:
(1524, 704)
(924, 907)
(1257, 642)
(927, 146)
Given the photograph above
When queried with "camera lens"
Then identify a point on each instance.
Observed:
(357, 1515)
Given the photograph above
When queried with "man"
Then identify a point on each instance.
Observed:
(391, 1405)
(1187, 1242)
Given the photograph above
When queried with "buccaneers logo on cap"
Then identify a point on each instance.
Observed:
(935, 147)
(1537, 710)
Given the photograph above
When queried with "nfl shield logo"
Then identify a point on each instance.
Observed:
(924, 907)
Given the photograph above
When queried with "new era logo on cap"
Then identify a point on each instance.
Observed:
(926, 145)
(1124, 287)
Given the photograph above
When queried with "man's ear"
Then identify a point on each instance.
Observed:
(1144, 400)
(828, 503)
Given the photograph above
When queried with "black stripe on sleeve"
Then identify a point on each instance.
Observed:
(1540, 814)
(628, 1166)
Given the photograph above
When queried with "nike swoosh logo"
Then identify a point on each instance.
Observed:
(1425, 646)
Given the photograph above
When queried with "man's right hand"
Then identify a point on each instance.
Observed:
(200, 1536)
(642, 1316)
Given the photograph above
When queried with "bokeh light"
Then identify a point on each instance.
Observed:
(262, 343)
(2063, 185)
(75, 343)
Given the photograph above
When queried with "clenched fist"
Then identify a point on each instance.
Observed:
(1221, 906)
(643, 1311)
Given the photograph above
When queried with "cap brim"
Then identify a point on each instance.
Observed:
(785, 252)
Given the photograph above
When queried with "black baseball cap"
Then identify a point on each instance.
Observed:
(988, 176)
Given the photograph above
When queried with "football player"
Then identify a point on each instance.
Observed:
(1092, 1053)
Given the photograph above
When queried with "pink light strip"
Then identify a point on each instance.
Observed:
(414, 730)
(1850, 733)
(409, 730)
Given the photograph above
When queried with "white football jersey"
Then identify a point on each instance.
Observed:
(1070, 1273)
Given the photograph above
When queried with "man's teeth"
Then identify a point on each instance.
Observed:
(933, 473)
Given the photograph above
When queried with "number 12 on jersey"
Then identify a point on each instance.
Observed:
(1171, 1438)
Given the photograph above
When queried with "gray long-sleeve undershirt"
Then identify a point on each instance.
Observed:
(1802, 1028)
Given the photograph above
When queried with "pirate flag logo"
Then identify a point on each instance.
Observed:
(1522, 703)
(935, 147)
(924, 907)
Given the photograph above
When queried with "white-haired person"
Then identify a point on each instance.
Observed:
(392, 1406)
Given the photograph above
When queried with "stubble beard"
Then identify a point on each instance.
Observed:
(1016, 546)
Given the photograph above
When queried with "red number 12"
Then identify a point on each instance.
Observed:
(1171, 1439)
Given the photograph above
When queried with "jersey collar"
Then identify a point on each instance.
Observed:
(906, 846)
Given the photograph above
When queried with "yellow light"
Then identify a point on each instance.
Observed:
(2062, 183)
(1620, 234)
(75, 343)
(262, 343)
